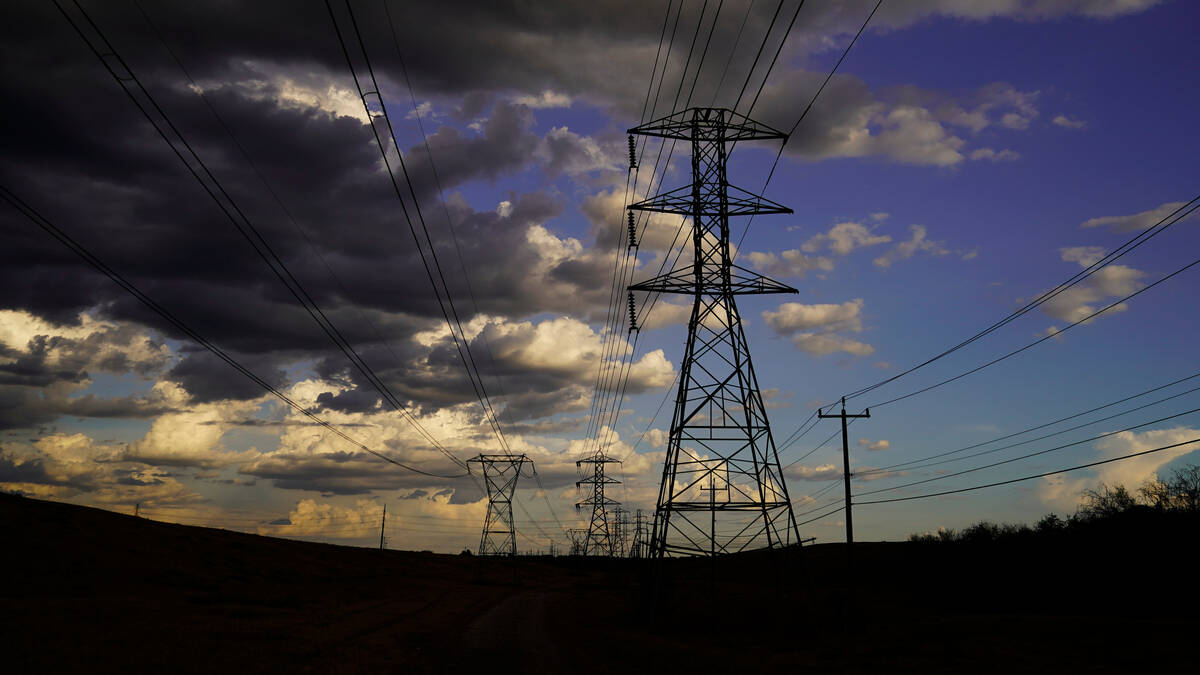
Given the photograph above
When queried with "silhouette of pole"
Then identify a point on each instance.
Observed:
(382, 523)
(846, 477)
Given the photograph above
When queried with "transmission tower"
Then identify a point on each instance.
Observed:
(620, 527)
(637, 549)
(500, 473)
(599, 539)
(720, 439)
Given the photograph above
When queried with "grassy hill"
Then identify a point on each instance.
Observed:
(92, 591)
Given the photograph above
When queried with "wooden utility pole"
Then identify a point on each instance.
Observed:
(846, 477)
(382, 523)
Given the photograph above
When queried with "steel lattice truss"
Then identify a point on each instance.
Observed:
(722, 487)
(500, 473)
(600, 538)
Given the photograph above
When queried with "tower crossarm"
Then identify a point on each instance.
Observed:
(687, 124)
(741, 282)
(737, 202)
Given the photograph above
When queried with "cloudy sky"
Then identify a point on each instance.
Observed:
(968, 156)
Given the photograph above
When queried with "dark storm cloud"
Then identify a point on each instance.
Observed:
(540, 404)
(345, 473)
(506, 144)
(208, 378)
(449, 47)
(39, 383)
(76, 149)
(29, 369)
(13, 470)
(49, 359)
(472, 105)
(358, 400)
(547, 427)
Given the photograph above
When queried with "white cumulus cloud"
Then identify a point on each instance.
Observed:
(1137, 221)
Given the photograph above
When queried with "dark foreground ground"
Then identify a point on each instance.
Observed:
(91, 591)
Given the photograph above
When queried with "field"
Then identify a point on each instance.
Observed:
(92, 591)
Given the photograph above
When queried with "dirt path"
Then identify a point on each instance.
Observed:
(516, 627)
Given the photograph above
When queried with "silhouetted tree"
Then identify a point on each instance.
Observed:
(1050, 523)
(1105, 501)
(1184, 489)
(1100, 507)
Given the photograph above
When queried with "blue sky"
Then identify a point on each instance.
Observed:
(966, 158)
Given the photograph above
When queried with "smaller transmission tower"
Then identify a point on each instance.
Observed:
(620, 532)
(599, 539)
(500, 473)
(637, 549)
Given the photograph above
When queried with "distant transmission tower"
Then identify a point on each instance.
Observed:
(600, 537)
(720, 439)
(640, 539)
(500, 473)
(620, 528)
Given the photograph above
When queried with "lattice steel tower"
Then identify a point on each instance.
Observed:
(500, 473)
(600, 538)
(722, 486)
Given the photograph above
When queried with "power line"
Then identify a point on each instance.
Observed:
(832, 484)
(824, 506)
(610, 324)
(919, 461)
(707, 42)
(445, 210)
(1141, 238)
(1043, 338)
(623, 273)
(818, 447)
(1027, 456)
(449, 315)
(800, 430)
(1040, 475)
(622, 265)
(774, 59)
(463, 345)
(807, 108)
(623, 368)
(230, 208)
(758, 55)
(732, 51)
(263, 179)
(657, 54)
(824, 515)
(691, 48)
(462, 265)
(51, 229)
(666, 60)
